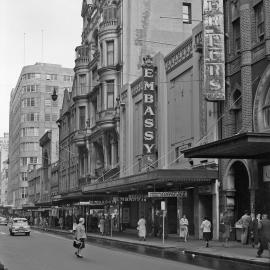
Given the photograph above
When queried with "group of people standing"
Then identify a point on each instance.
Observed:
(256, 231)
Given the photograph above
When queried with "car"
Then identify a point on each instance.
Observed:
(3, 221)
(19, 225)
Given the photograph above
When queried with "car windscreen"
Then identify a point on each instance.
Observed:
(24, 222)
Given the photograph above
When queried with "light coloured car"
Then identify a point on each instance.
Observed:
(19, 225)
(3, 221)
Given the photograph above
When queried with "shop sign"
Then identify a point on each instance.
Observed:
(214, 59)
(133, 198)
(205, 189)
(180, 194)
(149, 110)
(266, 173)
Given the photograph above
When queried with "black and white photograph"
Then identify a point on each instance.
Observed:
(135, 134)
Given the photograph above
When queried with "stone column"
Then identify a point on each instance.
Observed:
(215, 211)
(246, 61)
(113, 153)
(267, 27)
(105, 150)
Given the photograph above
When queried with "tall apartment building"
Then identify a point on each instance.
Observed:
(32, 112)
(116, 36)
(3, 167)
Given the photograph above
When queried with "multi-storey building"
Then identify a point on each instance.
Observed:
(32, 112)
(3, 168)
(244, 126)
(116, 35)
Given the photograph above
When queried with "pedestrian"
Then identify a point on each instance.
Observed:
(225, 227)
(107, 225)
(264, 235)
(142, 228)
(244, 221)
(206, 229)
(183, 228)
(61, 222)
(253, 229)
(80, 237)
(101, 224)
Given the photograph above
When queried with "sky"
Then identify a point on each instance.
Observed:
(22, 23)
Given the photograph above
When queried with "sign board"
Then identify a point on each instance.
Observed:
(163, 206)
(168, 194)
(149, 109)
(214, 52)
(205, 189)
(266, 173)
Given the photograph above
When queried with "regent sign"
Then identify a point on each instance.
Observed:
(214, 60)
(169, 194)
(149, 102)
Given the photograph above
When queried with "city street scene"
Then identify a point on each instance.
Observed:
(135, 134)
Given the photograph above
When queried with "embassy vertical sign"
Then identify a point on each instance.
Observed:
(149, 102)
(214, 59)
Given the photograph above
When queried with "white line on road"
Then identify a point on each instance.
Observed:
(2, 232)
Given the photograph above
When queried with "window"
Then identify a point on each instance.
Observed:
(33, 160)
(23, 192)
(68, 78)
(110, 94)
(101, 54)
(30, 131)
(186, 11)
(237, 109)
(54, 117)
(30, 117)
(47, 117)
(109, 13)
(47, 102)
(82, 84)
(259, 16)
(29, 102)
(23, 161)
(236, 36)
(30, 88)
(266, 110)
(55, 103)
(24, 176)
(82, 117)
(110, 53)
(51, 77)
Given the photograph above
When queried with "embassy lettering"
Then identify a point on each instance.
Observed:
(149, 112)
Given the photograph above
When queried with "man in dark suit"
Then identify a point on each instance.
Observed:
(264, 235)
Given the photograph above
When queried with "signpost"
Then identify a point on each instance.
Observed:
(163, 209)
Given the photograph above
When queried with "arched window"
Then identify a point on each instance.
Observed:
(266, 110)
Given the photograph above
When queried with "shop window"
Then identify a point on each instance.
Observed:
(186, 13)
(47, 117)
(236, 36)
(110, 52)
(259, 17)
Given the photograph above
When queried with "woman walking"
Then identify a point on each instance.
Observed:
(101, 225)
(206, 228)
(142, 228)
(184, 227)
(80, 237)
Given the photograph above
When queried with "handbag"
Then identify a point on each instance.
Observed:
(77, 243)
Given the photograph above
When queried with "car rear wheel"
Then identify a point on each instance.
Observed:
(28, 233)
(11, 233)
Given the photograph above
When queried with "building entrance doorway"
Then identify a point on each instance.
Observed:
(242, 194)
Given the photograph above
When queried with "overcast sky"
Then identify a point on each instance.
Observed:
(61, 23)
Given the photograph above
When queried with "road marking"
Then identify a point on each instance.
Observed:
(2, 232)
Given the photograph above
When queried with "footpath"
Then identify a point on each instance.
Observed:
(234, 251)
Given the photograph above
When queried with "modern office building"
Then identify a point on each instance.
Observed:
(32, 112)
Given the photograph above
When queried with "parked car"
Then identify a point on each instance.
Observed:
(19, 225)
(3, 221)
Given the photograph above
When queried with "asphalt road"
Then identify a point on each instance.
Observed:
(43, 251)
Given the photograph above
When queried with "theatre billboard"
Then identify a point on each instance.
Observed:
(214, 60)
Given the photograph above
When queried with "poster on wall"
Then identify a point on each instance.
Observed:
(149, 109)
(214, 52)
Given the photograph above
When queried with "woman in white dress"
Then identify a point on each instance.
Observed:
(142, 228)
(184, 228)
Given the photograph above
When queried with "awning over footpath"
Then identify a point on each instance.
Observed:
(245, 145)
(158, 177)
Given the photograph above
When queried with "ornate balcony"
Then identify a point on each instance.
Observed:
(82, 56)
(109, 25)
(105, 119)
